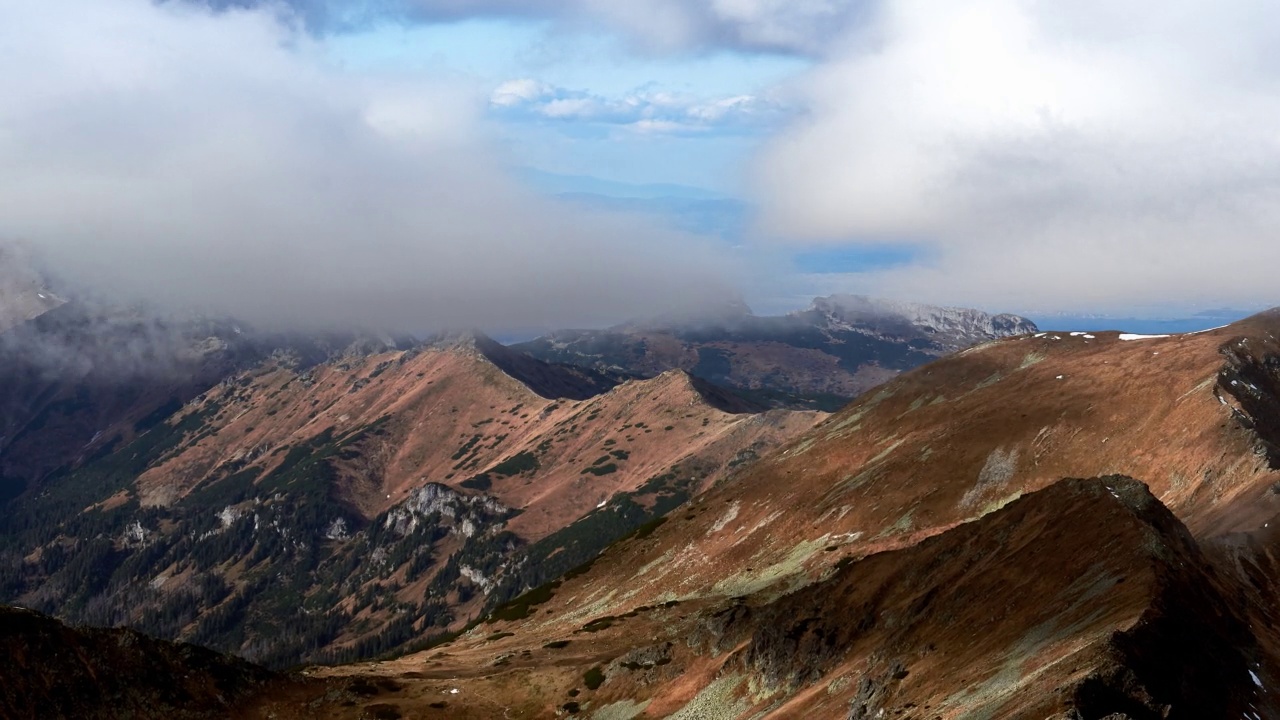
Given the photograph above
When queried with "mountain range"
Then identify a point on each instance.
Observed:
(932, 551)
(1021, 524)
(818, 358)
(295, 502)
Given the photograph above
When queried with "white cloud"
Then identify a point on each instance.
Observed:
(1086, 155)
(792, 26)
(1069, 155)
(217, 161)
(646, 111)
(518, 92)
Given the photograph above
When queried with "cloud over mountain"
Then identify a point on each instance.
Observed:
(220, 161)
(791, 26)
(1085, 155)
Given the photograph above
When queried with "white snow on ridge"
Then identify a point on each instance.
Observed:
(1197, 332)
(1134, 336)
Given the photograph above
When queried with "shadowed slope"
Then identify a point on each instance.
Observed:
(1088, 595)
(549, 381)
(54, 671)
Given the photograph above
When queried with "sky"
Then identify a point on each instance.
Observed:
(514, 165)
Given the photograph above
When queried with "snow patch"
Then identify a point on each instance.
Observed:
(1197, 332)
(1135, 336)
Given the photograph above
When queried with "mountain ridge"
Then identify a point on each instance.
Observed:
(446, 462)
(957, 449)
(821, 357)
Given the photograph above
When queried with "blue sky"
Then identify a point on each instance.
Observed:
(546, 163)
(634, 135)
(599, 71)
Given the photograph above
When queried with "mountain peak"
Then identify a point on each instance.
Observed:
(468, 339)
(549, 380)
(960, 326)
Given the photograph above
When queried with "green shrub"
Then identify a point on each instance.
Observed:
(593, 678)
(516, 464)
